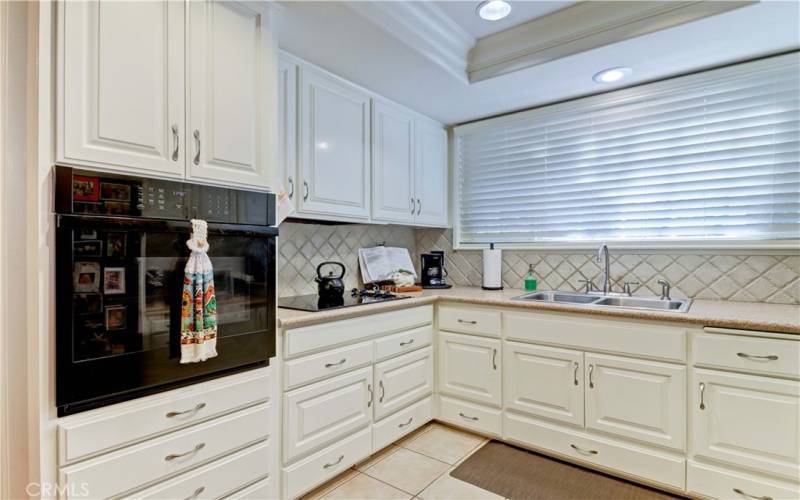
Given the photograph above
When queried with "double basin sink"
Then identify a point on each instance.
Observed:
(612, 301)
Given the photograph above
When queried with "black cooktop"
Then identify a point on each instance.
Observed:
(313, 302)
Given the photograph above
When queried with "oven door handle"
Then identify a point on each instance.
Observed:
(168, 225)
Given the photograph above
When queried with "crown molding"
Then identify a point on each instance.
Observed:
(582, 27)
(423, 27)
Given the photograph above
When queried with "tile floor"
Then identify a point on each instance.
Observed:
(418, 466)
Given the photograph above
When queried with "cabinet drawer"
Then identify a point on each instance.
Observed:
(321, 466)
(471, 416)
(218, 478)
(319, 414)
(311, 368)
(317, 337)
(105, 429)
(138, 465)
(261, 490)
(392, 428)
(598, 334)
(747, 421)
(716, 482)
(398, 343)
(748, 354)
(402, 380)
(464, 320)
(647, 463)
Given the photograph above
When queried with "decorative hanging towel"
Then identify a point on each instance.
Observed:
(199, 311)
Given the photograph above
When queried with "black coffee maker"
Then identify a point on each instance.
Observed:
(433, 271)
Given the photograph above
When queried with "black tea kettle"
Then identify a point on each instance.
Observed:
(330, 286)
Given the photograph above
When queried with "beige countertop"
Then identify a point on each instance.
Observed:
(713, 313)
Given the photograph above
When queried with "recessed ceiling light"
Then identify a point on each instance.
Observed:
(493, 10)
(611, 75)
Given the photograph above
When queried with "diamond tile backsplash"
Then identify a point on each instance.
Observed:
(750, 278)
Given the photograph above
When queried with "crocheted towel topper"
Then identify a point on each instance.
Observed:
(199, 305)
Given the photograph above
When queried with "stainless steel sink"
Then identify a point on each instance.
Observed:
(615, 301)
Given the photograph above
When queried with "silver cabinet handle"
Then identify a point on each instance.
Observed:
(194, 450)
(199, 491)
(465, 322)
(591, 371)
(413, 207)
(339, 363)
(291, 188)
(702, 396)
(419, 207)
(197, 408)
(337, 462)
(582, 451)
(197, 143)
(383, 391)
(753, 357)
(410, 419)
(371, 395)
(468, 417)
(494, 359)
(748, 495)
(175, 141)
(575, 373)
(403, 344)
(305, 185)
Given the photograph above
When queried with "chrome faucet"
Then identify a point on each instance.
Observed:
(602, 256)
(665, 289)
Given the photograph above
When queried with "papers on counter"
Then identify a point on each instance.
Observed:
(379, 263)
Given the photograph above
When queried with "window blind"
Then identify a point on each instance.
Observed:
(711, 156)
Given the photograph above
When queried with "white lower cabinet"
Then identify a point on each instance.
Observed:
(747, 421)
(469, 367)
(402, 380)
(716, 482)
(636, 399)
(544, 381)
(473, 416)
(656, 466)
(322, 413)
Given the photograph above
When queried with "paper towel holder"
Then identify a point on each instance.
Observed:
(492, 268)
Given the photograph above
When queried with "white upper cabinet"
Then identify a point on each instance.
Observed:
(287, 124)
(430, 174)
(232, 93)
(122, 71)
(393, 198)
(334, 163)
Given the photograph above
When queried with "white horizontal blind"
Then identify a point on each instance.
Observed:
(711, 156)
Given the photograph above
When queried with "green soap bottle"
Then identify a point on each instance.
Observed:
(530, 280)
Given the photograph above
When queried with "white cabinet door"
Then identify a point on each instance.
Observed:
(544, 381)
(287, 124)
(320, 414)
(392, 163)
(746, 420)
(232, 93)
(334, 147)
(637, 399)
(402, 380)
(469, 367)
(430, 177)
(123, 86)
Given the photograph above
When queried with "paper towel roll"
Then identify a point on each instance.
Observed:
(492, 268)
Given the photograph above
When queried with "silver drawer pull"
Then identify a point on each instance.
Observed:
(328, 466)
(575, 373)
(702, 396)
(494, 359)
(403, 344)
(410, 419)
(194, 450)
(196, 160)
(465, 322)
(753, 357)
(582, 451)
(197, 408)
(175, 140)
(468, 417)
(341, 362)
(199, 491)
(591, 380)
(383, 391)
(748, 495)
(371, 395)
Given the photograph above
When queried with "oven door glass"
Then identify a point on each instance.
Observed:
(124, 280)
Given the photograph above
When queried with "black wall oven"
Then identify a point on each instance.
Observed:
(120, 257)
